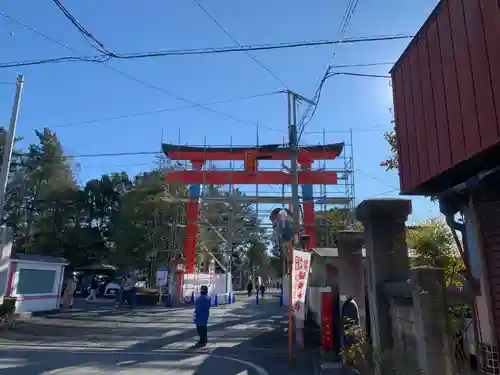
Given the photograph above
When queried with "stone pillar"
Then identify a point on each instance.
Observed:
(387, 259)
(429, 305)
(350, 266)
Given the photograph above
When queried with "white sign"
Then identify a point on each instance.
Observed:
(192, 283)
(300, 275)
(161, 276)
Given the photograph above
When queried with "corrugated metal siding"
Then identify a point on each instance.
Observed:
(487, 209)
(446, 89)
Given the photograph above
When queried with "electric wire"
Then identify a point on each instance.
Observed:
(319, 92)
(361, 130)
(360, 65)
(204, 51)
(139, 153)
(158, 111)
(86, 34)
(138, 80)
(99, 59)
(383, 193)
(375, 178)
(312, 107)
(207, 13)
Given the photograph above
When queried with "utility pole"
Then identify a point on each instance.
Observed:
(293, 98)
(229, 243)
(9, 143)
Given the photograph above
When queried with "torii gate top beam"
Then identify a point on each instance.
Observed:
(267, 152)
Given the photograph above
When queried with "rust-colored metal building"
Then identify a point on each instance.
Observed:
(447, 97)
(446, 88)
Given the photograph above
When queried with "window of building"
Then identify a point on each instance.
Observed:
(3, 280)
(31, 281)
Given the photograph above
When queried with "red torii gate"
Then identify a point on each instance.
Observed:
(249, 176)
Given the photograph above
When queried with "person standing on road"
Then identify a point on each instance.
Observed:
(262, 290)
(249, 288)
(201, 314)
(127, 290)
(93, 290)
(119, 297)
(69, 293)
(257, 285)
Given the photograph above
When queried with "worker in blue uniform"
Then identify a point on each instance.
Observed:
(201, 314)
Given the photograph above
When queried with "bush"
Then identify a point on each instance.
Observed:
(360, 357)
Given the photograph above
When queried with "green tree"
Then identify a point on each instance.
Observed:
(433, 245)
(331, 221)
(228, 214)
(256, 252)
(147, 228)
(49, 195)
(392, 161)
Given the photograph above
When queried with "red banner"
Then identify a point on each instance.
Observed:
(327, 319)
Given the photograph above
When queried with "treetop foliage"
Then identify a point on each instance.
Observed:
(117, 219)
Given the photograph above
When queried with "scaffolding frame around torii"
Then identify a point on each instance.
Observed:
(199, 156)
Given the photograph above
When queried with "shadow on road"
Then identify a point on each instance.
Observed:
(248, 334)
(269, 350)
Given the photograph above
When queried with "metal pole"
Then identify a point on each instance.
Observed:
(294, 148)
(9, 143)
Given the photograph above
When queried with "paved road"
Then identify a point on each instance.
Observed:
(245, 339)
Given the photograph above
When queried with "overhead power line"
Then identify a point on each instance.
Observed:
(106, 58)
(158, 111)
(204, 51)
(313, 106)
(214, 20)
(360, 65)
(378, 128)
(143, 153)
(86, 34)
(320, 90)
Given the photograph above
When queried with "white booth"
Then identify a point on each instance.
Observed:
(35, 281)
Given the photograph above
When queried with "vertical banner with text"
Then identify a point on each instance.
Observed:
(300, 275)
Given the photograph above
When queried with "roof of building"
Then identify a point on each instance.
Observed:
(38, 258)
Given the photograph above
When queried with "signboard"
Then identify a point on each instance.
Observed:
(300, 275)
(192, 283)
(326, 319)
(161, 276)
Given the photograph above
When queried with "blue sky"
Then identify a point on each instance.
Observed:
(58, 95)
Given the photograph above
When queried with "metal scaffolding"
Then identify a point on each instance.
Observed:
(327, 197)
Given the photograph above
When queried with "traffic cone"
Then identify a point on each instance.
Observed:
(281, 300)
(257, 299)
(216, 300)
(168, 301)
(234, 298)
(229, 299)
(192, 298)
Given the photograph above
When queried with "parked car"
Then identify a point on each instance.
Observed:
(111, 290)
